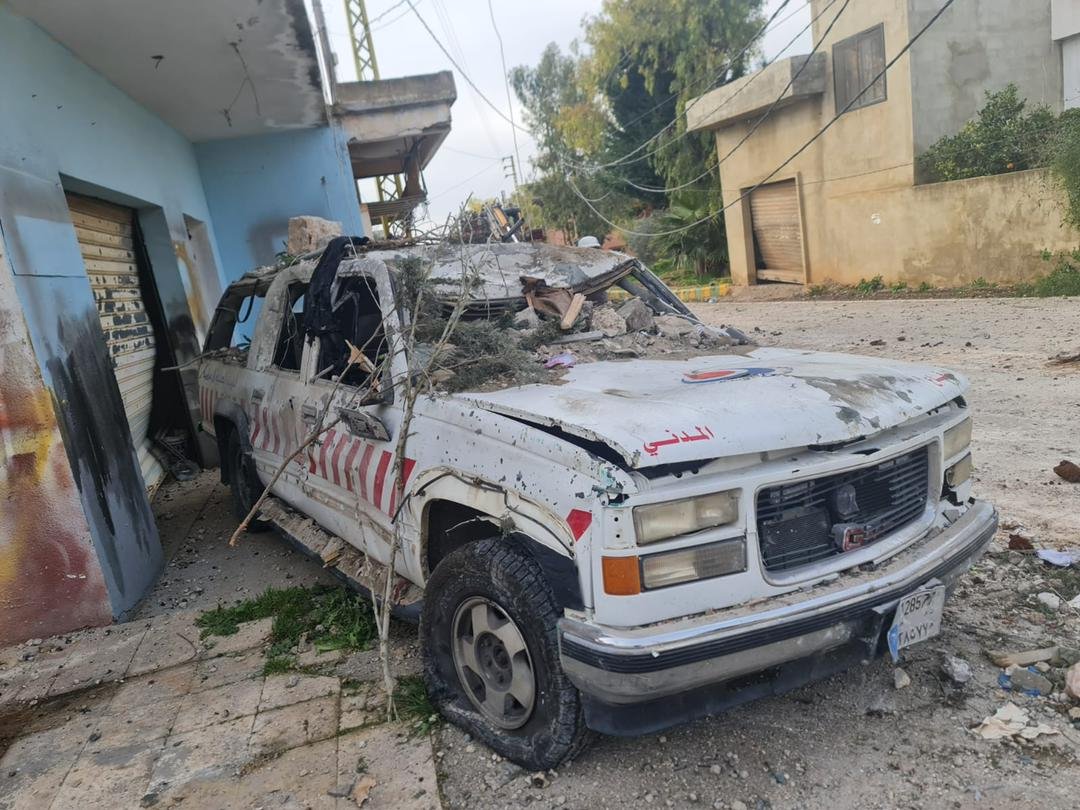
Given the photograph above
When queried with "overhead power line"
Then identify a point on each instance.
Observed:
(766, 114)
(789, 159)
(506, 83)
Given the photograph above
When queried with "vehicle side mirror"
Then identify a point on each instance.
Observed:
(364, 425)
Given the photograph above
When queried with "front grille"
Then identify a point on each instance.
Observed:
(803, 523)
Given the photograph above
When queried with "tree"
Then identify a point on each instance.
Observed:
(566, 131)
(645, 62)
(679, 49)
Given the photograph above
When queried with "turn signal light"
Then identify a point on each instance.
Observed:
(622, 576)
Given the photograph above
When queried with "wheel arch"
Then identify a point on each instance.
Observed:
(455, 512)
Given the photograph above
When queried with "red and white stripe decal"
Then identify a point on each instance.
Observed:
(357, 465)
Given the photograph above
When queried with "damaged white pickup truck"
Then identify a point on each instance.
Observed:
(612, 516)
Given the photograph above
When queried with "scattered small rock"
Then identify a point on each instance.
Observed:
(1068, 470)
(1072, 682)
(958, 670)
(539, 780)
(737, 805)
(341, 791)
(877, 342)
(1020, 542)
(901, 680)
(1049, 600)
(292, 682)
(881, 706)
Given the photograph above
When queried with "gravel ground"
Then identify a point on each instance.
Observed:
(856, 740)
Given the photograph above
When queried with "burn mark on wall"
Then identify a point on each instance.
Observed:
(103, 461)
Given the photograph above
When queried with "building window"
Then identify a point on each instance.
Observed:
(856, 61)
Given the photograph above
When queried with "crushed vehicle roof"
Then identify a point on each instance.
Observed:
(498, 266)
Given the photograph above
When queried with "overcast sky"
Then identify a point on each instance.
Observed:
(470, 157)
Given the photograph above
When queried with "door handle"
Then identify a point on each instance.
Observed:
(309, 413)
(257, 395)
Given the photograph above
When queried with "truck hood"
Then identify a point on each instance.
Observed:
(654, 412)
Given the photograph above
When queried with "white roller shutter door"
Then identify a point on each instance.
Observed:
(774, 212)
(106, 237)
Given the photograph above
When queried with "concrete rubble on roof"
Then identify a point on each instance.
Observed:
(307, 234)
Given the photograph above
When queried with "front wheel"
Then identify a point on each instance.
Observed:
(491, 655)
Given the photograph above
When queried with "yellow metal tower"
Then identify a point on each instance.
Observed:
(389, 186)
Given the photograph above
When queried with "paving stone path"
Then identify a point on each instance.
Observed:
(146, 715)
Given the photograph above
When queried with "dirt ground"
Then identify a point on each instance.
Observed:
(855, 740)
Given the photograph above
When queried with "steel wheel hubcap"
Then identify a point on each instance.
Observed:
(493, 663)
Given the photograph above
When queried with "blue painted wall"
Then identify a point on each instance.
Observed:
(254, 185)
(62, 125)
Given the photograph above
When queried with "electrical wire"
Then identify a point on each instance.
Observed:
(506, 82)
(766, 114)
(718, 77)
(786, 162)
(729, 63)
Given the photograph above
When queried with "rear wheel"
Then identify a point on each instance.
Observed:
(491, 655)
(243, 483)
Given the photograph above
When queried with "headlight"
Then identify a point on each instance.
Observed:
(959, 472)
(660, 521)
(699, 562)
(957, 439)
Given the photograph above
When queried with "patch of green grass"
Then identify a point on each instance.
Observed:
(278, 664)
(925, 286)
(898, 286)
(332, 618)
(982, 284)
(817, 289)
(413, 705)
(864, 287)
(1063, 280)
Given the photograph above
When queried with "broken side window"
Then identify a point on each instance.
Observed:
(234, 322)
(358, 319)
(290, 343)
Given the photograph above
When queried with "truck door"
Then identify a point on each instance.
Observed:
(276, 393)
(351, 467)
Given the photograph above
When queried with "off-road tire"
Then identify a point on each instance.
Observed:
(244, 484)
(495, 570)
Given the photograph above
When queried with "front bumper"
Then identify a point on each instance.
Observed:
(632, 667)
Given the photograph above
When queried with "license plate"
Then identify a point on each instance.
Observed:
(918, 617)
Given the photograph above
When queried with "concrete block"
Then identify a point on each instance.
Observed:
(134, 723)
(307, 234)
(403, 767)
(105, 779)
(169, 684)
(295, 725)
(215, 672)
(205, 754)
(201, 709)
(249, 636)
(168, 641)
(285, 690)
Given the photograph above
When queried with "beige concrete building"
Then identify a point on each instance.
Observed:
(851, 205)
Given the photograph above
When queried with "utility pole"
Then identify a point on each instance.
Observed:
(389, 186)
(510, 169)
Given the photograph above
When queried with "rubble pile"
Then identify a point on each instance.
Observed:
(562, 330)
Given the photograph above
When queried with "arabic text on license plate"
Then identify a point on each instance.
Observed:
(918, 617)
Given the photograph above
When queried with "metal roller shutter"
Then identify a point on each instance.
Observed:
(774, 212)
(106, 237)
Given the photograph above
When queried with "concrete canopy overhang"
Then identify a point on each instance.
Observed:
(209, 68)
(784, 82)
(395, 126)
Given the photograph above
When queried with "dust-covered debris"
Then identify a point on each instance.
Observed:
(1069, 470)
(559, 329)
